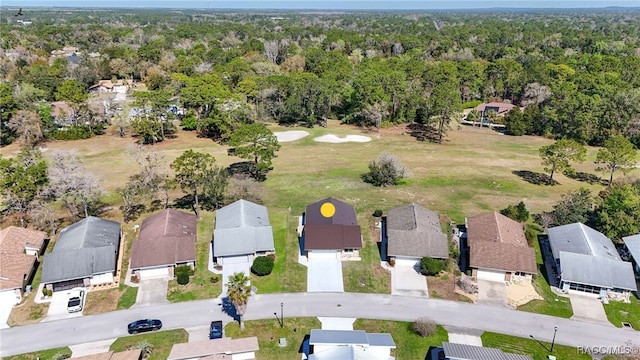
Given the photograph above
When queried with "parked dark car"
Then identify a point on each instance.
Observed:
(144, 325)
(215, 330)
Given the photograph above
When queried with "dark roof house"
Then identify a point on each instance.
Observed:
(414, 231)
(331, 224)
(165, 239)
(498, 243)
(83, 249)
(242, 228)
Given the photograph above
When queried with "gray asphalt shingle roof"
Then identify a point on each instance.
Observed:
(597, 271)
(83, 249)
(580, 239)
(455, 351)
(633, 244)
(242, 228)
(415, 231)
(350, 337)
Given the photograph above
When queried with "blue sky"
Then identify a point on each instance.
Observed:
(330, 4)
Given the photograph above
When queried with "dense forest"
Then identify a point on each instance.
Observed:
(575, 74)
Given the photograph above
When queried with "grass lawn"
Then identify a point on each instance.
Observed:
(531, 347)
(162, 341)
(552, 304)
(202, 284)
(51, 354)
(617, 312)
(128, 297)
(409, 345)
(269, 332)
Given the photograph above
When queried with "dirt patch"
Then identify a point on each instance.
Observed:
(521, 293)
(28, 312)
(444, 287)
(101, 301)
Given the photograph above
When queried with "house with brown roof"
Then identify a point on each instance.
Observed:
(108, 86)
(330, 230)
(20, 249)
(217, 349)
(134, 354)
(165, 240)
(411, 232)
(498, 249)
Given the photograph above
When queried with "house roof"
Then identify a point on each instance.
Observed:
(633, 245)
(499, 108)
(87, 247)
(580, 239)
(331, 224)
(413, 230)
(498, 243)
(242, 228)
(112, 355)
(350, 337)
(107, 84)
(470, 352)
(226, 346)
(58, 107)
(170, 234)
(597, 271)
(15, 263)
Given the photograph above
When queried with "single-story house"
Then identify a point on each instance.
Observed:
(501, 109)
(498, 249)
(453, 351)
(135, 354)
(19, 252)
(105, 86)
(588, 261)
(85, 254)
(217, 349)
(330, 229)
(349, 345)
(165, 240)
(411, 232)
(632, 244)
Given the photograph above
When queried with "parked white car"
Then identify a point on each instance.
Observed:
(76, 300)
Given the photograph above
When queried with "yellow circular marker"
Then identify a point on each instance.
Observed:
(327, 210)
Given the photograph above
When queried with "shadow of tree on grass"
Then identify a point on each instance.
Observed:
(423, 132)
(585, 177)
(534, 177)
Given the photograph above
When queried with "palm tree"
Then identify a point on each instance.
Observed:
(238, 292)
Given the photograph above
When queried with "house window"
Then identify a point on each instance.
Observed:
(585, 288)
(349, 250)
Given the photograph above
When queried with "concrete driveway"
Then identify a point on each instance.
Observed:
(493, 293)
(58, 306)
(588, 308)
(324, 275)
(234, 265)
(7, 300)
(406, 281)
(152, 292)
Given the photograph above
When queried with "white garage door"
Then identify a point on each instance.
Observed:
(491, 275)
(323, 254)
(154, 273)
(407, 261)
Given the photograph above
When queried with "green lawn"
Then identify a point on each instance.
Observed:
(617, 312)
(162, 341)
(128, 297)
(552, 304)
(51, 354)
(531, 347)
(409, 345)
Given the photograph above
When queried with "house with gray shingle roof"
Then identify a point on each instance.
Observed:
(587, 261)
(411, 232)
(632, 244)
(498, 249)
(349, 345)
(217, 349)
(455, 351)
(85, 254)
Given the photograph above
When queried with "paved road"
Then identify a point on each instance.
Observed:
(66, 332)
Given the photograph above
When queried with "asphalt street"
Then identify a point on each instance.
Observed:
(111, 325)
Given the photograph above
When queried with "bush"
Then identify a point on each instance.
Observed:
(470, 104)
(214, 279)
(262, 266)
(431, 266)
(518, 213)
(424, 326)
(189, 123)
(272, 257)
(46, 292)
(183, 278)
(184, 269)
(377, 213)
(385, 171)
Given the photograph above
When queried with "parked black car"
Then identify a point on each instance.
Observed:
(144, 325)
(215, 330)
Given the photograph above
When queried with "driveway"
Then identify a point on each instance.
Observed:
(234, 265)
(406, 281)
(152, 292)
(324, 275)
(58, 306)
(7, 300)
(493, 293)
(464, 336)
(588, 308)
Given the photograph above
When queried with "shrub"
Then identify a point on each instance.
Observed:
(262, 266)
(385, 171)
(377, 213)
(214, 279)
(189, 123)
(470, 104)
(424, 326)
(431, 266)
(272, 257)
(518, 213)
(184, 269)
(183, 278)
